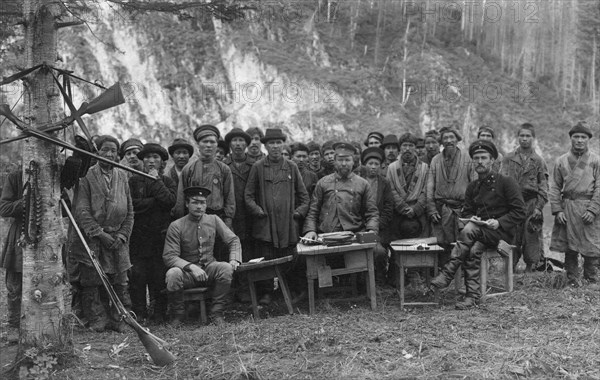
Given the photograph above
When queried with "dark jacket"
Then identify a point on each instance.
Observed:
(385, 202)
(241, 221)
(152, 204)
(495, 197)
(11, 207)
(310, 180)
(531, 175)
(276, 201)
(342, 205)
(172, 173)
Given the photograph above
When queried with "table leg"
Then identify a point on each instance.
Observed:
(284, 289)
(436, 292)
(253, 297)
(371, 280)
(311, 296)
(401, 281)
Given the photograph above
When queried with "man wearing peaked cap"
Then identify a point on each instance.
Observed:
(495, 206)
(342, 201)
(181, 151)
(152, 203)
(189, 255)
(391, 148)
(371, 159)
(374, 139)
(211, 174)
(575, 202)
(128, 154)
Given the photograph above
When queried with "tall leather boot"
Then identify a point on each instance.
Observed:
(590, 269)
(177, 307)
(93, 310)
(572, 268)
(116, 322)
(472, 281)
(220, 300)
(446, 275)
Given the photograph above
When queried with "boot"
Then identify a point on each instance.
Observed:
(446, 275)
(590, 269)
(116, 322)
(177, 307)
(467, 303)
(572, 268)
(220, 297)
(93, 310)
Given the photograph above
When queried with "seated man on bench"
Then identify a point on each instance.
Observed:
(188, 253)
(495, 205)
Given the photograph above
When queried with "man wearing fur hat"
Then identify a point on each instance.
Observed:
(495, 206)
(575, 200)
(211, 174)
(314, 157)
(531, 173)
(449, 174)
(152, 204)
(181, 151)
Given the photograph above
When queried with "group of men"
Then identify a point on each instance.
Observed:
(193, 225)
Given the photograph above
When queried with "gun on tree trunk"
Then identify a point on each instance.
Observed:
(153, 344)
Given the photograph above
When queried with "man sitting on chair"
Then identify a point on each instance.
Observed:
(188, 254)
(495, 205)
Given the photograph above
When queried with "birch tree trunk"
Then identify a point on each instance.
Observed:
(43, 302)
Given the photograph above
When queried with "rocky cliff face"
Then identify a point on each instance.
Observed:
(316, 77)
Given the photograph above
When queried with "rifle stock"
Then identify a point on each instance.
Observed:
(153, 344)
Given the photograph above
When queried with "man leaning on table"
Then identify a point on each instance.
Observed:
(342, 201)
(495, 205)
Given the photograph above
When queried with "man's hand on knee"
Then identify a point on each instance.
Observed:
(493, 224)
(198, 273)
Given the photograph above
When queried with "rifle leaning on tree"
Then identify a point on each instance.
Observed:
(153, 344)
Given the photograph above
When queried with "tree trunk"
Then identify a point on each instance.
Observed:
(43, 302)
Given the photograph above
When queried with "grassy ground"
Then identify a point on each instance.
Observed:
(538, 332)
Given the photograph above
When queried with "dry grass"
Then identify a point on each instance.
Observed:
(538, 332)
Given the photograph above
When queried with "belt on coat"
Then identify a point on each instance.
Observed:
(577, 197)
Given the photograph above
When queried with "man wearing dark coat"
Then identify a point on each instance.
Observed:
(300, 157)
(181, 151)
(531, 173)
(495, 207)
(11, 206)
(152, 204)
(371, 160)
(277, 200)
(314, 156)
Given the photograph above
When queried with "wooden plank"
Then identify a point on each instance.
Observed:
(314, 250)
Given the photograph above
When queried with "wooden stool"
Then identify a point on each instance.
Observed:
(493, 253)
(197, 294)
(267, 270)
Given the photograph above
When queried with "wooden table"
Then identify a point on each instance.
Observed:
(357, 258)
(267, 270)
(408, 256)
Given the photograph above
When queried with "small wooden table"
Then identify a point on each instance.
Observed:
(267, 270)
(408, 256)
(357, 258)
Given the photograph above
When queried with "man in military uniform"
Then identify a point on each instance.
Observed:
(531, 173)
(188, 253)
(495, 206)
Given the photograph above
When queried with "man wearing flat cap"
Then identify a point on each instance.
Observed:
(181, 151)
(531, 173)
(342, 201)
(575, 201)
(128, 154)
(495, 207)
(211, 174)
(374, 139)
(449, 174)
(152, 204)
(189, 256)
(277, 200)
(372, 159)
(391, 148)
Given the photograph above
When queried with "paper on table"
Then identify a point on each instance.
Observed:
(479, 222)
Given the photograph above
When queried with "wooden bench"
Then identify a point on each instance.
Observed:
(197, 295)
(493, 253)
(267, 270)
